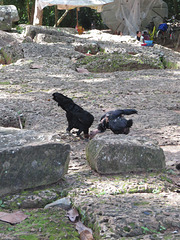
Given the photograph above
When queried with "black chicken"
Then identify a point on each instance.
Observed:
(115, 121)
(77, 117)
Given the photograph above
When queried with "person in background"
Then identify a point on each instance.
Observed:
(139, 36)
(145, 35)
(118, 33)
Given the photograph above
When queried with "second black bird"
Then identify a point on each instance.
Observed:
(115, 121)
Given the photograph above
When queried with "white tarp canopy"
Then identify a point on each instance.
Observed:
(129, 16)
(67, 4)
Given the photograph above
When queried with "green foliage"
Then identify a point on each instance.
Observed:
(127, 229)
(1, 204)
(86, 16)
(162, 229)
(145, 230)
(89, 18)
(21, 7)
(140, 203)
(173, 7)
(48, 16)
(19, 29)
(46, 224)
(4, 83)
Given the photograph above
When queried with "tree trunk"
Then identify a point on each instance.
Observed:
(56, 16)
(32, 13)
(28, 11)
(175, 7)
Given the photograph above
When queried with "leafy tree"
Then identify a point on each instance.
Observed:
(173, 8)
(89, 18)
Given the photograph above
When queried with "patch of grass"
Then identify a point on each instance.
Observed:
(162, 228)
(44, 224)
(156, 190)
(5, 83)
(140, 203)
(46, 196)
(132, 225)
(116, 62)
(165, 178)
(167, 237)
(126, 229)
(19, 29)
(145, 230)
(29, 237)
(101, 193)
(1, 204)
(171, 65)
(24, 85)
(133, 190)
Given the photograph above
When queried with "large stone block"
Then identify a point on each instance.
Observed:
(29, 160)
(8, 15)
(113, 154)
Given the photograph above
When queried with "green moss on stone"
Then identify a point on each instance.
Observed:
(127, 229)
(140, 203)
(45, 224)
(117, 62)
(29, 237)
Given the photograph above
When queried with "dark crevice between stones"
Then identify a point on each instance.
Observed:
(4, 57)
(13, 121)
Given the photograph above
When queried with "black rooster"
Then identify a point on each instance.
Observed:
(77, 117)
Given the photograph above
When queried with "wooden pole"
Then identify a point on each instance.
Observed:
(38, 15)
(61, 18)
(77, 24)
(56, 15)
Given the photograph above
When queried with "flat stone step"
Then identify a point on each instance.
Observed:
(112, 154)
(29, 160)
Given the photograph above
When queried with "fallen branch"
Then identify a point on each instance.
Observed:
(20, 123)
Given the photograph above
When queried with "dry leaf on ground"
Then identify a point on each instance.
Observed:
(73, 215)
(82, 70)
(35, 66)
(86, 235)
(12, 218)
(81, 227)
